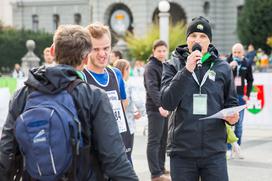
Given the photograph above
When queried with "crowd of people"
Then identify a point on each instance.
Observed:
(259, 60)
(194, 83)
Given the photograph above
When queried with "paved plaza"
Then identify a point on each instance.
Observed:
(257, 150)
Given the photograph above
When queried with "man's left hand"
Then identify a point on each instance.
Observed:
(232, 119)
(245, 98)
(137, 115)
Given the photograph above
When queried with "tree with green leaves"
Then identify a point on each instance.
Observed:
(13, 45)
(255, 23)
(140, 47)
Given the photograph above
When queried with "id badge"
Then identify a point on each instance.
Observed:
(212, 75)
(200, 104)
(238, 81)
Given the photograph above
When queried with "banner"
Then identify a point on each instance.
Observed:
(4, 100)
(259, 105)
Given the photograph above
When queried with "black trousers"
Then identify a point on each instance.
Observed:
(156, 144)
(213, 168)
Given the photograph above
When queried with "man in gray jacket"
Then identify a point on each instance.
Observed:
(72, 45)
(196, 84)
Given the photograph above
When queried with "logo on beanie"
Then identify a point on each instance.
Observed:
(200, 27)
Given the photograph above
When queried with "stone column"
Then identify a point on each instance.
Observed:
(30, 60)
(164, 7)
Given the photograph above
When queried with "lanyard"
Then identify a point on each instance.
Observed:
(238, 70)
(239, 65)
(204, 78)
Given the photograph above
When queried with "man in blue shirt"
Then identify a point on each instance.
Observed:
(109, 79)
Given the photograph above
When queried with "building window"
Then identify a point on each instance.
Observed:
(35, 22)
(239, 10)
(56, 21)
(206, 8)
(77, 18)
(177, 14)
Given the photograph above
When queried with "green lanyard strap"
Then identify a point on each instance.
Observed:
(205, 57)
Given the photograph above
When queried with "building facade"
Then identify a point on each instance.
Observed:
(6, 12)
(132, 15)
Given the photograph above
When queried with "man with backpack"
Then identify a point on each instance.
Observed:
(59, 127)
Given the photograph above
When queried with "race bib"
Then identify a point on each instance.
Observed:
(117, 110)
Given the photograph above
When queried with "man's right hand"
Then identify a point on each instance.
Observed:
(192, 60)
(163, 112)
(233, 64)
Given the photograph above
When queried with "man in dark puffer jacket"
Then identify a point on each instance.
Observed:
(197, 147)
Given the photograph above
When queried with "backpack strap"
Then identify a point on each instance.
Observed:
(73, 84)
(17, 168)
(18, 171)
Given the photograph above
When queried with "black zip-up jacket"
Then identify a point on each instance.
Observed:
(245, 72)
(94, 110)
(188, 136)
(152, 83)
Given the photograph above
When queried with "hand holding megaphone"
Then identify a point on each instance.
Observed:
(194, 59)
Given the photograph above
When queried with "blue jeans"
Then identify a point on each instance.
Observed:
(213, 168)
(238, 128)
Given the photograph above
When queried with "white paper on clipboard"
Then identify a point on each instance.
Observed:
(225, 112)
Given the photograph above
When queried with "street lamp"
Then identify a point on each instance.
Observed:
(164, 7)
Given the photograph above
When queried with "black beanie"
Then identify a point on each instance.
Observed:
(199, 24)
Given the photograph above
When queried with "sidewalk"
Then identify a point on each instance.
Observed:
(257, 150)
(256, 147)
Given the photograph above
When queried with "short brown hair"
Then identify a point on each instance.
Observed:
(72, 44)
(47, 49)
(117, 53)
(158, 43)
(97, 30)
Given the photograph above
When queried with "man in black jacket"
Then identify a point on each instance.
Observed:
(72, 45)
(157, 116)
(197, 148)
(242, 73)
